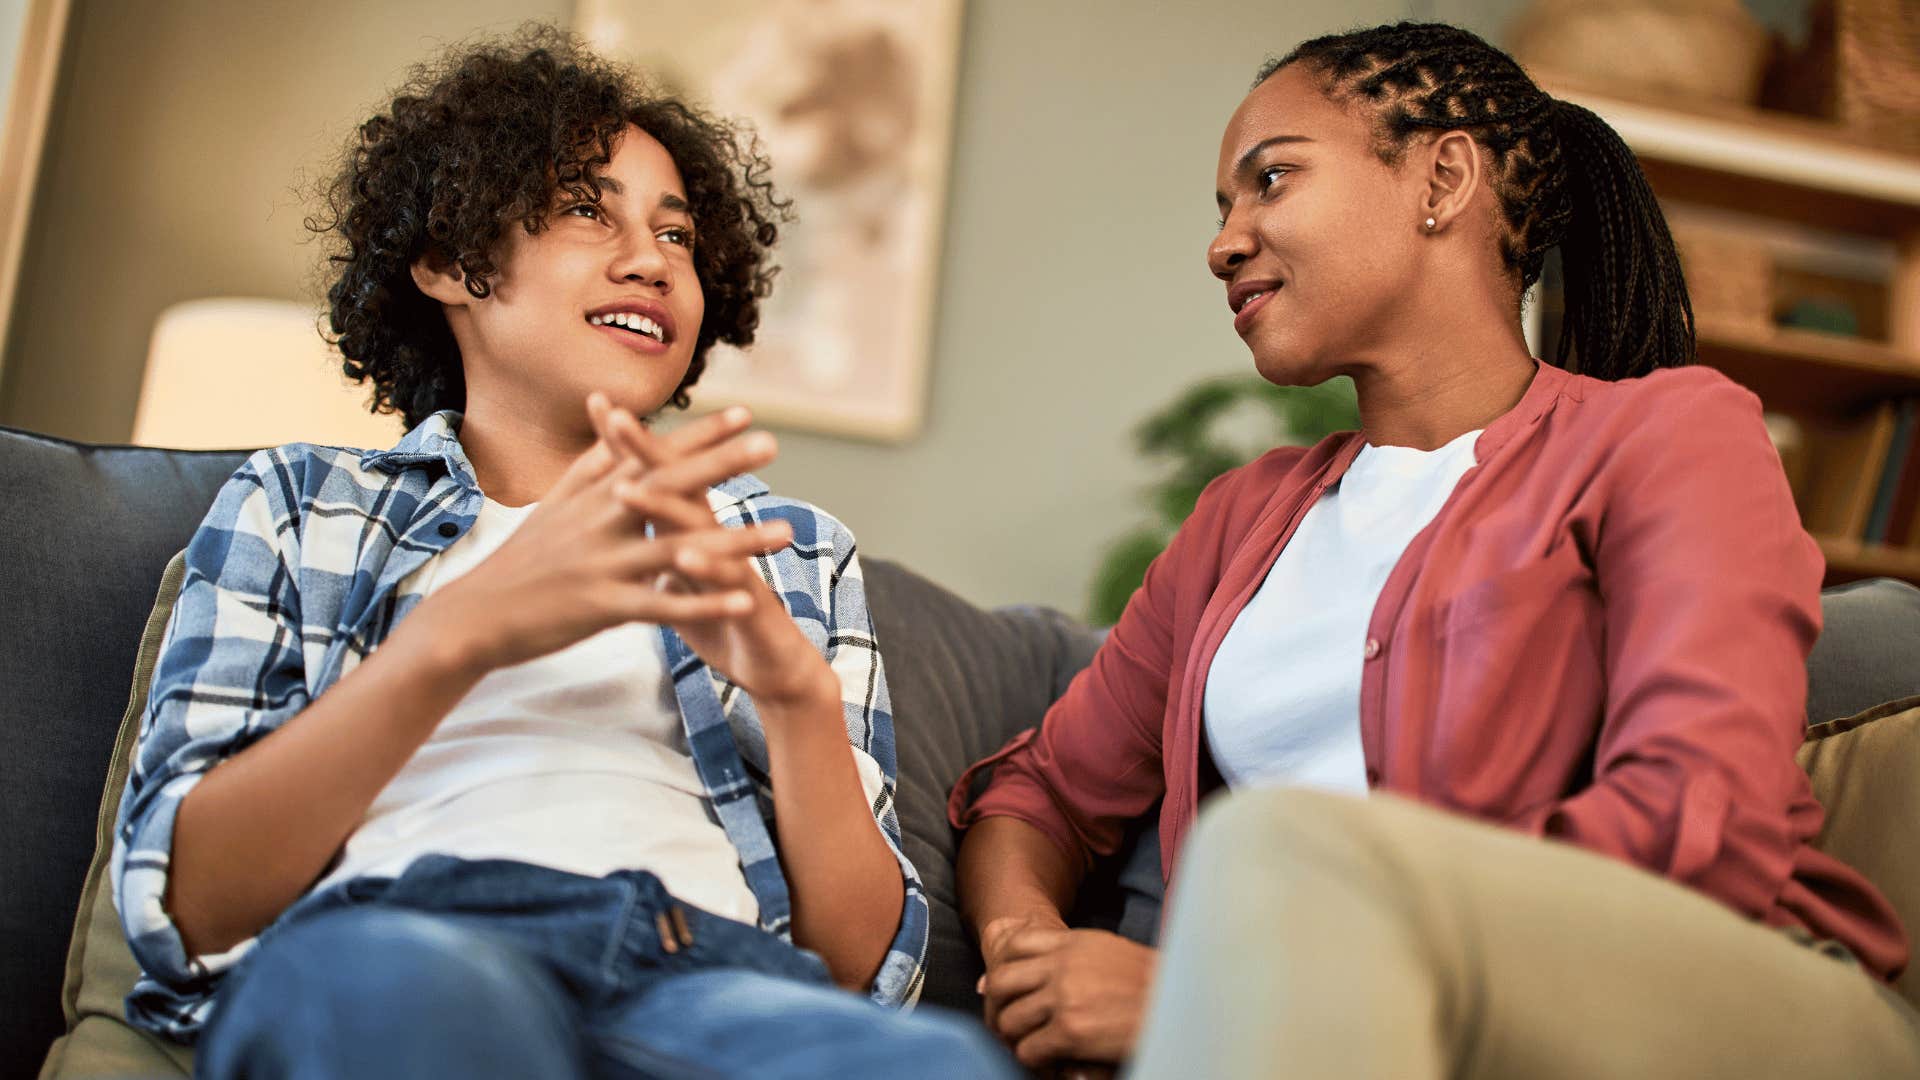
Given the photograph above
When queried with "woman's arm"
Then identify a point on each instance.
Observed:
(1711, 593)
(1010, 875)
(1061, 795)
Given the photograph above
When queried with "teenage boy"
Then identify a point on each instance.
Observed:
(540, 744)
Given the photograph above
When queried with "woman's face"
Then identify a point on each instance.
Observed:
(1318, 240)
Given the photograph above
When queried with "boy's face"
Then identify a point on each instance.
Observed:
(605, 298)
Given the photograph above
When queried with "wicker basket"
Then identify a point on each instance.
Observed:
(1693, 49)
(1877, 61)
(1729, 274)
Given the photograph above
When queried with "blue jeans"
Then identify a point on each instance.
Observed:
(494, 968)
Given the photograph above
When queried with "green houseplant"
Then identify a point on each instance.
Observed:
(1201, 434)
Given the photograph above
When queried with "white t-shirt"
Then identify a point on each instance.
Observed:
(1282, 703)
(576, 761)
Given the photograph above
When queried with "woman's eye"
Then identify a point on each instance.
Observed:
(1270, 176)
(677, 235)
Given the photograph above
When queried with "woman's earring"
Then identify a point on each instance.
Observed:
(1430, 224)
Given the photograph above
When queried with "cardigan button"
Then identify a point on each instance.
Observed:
(1373, 647)
(449, 530)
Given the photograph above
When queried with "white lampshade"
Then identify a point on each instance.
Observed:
(237, 372)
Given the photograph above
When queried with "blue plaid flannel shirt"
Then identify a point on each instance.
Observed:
(293, 578)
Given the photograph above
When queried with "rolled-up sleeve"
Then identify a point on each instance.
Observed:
(854, 655)
(1711, 592)
(229, 670)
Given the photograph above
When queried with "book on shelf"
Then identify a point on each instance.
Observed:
(1891, 472)
(1848, 456)
(1903, 528)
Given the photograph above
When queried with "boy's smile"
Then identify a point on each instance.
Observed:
(604, 297)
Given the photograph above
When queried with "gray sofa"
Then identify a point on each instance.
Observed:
(86, 530)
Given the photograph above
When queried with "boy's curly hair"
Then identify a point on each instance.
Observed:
(488, 137)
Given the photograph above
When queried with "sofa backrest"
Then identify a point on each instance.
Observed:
(84, 534)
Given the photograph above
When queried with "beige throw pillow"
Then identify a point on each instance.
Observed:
(1866, 772)
(100, 968)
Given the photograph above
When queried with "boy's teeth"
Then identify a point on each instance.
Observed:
(639, 324)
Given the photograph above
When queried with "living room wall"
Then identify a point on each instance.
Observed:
(1073, 296)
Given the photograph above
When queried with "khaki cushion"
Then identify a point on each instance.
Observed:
(100, 968)
(1866, 772)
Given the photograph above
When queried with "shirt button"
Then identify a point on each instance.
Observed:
(449, 530)
(1373, 647)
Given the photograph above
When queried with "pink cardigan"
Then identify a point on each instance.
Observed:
(1602, 638)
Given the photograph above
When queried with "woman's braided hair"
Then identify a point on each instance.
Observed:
(1562, 176)
(487, 139)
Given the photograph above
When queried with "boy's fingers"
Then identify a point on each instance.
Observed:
(597, 408)
(586, 470)
(628, 434)
(664, 507)
(644, 603)
(705, 468)
(707, 431)
(706, 570)
(708, 549)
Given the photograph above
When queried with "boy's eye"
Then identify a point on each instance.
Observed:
(590, 211)
(675, 234)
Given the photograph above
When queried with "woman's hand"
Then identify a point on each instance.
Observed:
(1056, 995)
(582, 563)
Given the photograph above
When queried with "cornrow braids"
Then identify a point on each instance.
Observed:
(1562, 177)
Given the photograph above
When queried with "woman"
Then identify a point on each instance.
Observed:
(1572, 601)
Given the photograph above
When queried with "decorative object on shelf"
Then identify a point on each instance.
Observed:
(1878, 47)
(1828, 316)
(1729, 273)
(237, 372)
(1860, 66)
(853, 100)
(1711, 49)
(1195, 434)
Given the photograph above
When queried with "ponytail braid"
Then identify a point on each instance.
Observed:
(1562, 178)
(1627, 311)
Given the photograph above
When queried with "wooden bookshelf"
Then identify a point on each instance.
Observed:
(1808, 173)
(1850, 560)
(1800, 370)
(1764, 162)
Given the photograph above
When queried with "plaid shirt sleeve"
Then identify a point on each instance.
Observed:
(854, 656)
(819, 580)
(230, 669)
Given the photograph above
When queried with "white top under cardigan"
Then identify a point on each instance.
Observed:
(1282, 702)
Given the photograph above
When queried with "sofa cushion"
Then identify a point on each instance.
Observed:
(1863, 771)
(1866, 653)
(85, 533)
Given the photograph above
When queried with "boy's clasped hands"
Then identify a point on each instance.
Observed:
(584, 560)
